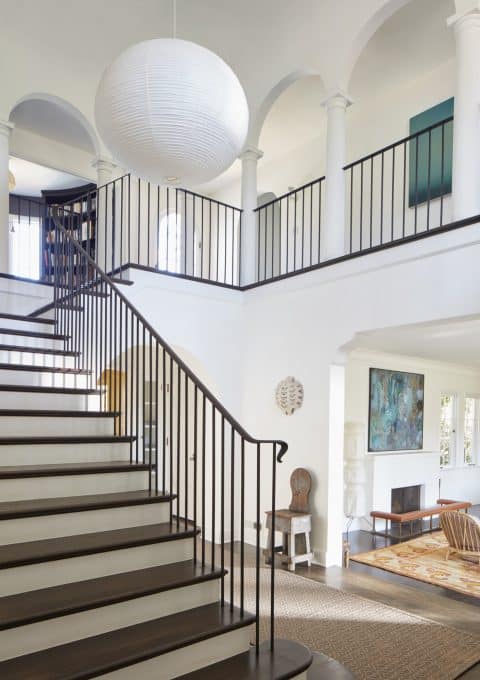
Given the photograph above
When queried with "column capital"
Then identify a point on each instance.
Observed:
(103, 163)
(467, 17)
(251, 153)
(337, 99)
(6, 127)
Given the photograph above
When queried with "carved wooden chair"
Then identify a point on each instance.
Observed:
(295, 523)
(463, 534)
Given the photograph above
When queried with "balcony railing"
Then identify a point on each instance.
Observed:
(133, 222)
(400, 190)
(289, 231)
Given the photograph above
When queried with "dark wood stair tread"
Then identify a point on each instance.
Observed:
(20, 317)
(44, 369)
(33, 334)
(75, 439)
(50, 389)
(288, 660)
(40, 413)
(39, 605)
(59, 470)
(120, 648)
(47, 550)
(39, 350)
(60, 505)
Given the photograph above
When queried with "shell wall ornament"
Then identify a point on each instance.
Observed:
(289, 395)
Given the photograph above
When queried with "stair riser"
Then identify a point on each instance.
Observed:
(29, 341)
(22, 325)
(56, 402)
(26, 529)
(186, 660)
(36, 359)
(33, 576)
(45, 454)
(21, 426)
(37, 636)
(47, 379)
(74, 485)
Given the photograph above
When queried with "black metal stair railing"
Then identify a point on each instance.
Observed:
(222, 478)
(130, 221)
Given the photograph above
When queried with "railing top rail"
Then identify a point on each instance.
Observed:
(291, 193)
(128, 174)
(166, 347)
(404, 140)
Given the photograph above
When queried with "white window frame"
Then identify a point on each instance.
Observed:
(476, 432)
(454, 433)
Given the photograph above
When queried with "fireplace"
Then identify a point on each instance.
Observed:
(406, 498)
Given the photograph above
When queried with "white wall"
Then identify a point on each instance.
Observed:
(440, 378)
(249, 342)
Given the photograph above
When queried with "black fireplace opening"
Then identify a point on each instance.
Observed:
(406, 498)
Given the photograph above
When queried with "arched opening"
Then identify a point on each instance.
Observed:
(402, 84)
(292, 138)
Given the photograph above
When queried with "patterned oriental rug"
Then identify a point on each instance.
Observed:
(423, 559)
(374, 641)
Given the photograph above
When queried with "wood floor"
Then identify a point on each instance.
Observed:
(431, 602)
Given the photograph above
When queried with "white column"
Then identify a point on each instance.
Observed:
(249, 158)
(105, 169)
(466, 125)
(5, 130)
(333, 223)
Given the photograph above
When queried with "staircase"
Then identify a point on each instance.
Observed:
(122, 479)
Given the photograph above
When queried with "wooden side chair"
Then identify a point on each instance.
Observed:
(463, 534)
(295, 523)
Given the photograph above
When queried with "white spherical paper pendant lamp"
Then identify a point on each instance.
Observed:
(172, 112)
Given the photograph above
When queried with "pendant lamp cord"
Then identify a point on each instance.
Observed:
(174, 18)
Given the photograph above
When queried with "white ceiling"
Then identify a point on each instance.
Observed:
(455, 341)
(31, 178)
(49, 120)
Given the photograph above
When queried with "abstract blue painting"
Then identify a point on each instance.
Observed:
(395, 421)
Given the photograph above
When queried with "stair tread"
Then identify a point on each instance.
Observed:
(40, 413)
(38, 605)
(75, 439)
(33, 334)
(44, 369)
(123, 647)
(60, 505)
(39, 350)
(49, 389)
(288, 660)
(46, 550)
(21, 317)
(57, 470)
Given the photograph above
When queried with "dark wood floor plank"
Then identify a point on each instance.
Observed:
(120, 648)
(75, 439)
(20, 317)
(38, 350)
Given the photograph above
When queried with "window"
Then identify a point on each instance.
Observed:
(471, 430)
(169, 243)
(25, 246)
(448, 409)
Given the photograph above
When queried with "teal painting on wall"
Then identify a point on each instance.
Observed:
(395, 420)
(436, 174)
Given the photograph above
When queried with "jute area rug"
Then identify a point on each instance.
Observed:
(374, 641)
(424, 559)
